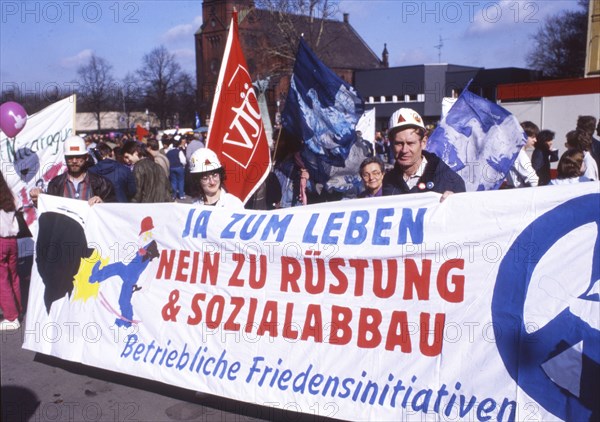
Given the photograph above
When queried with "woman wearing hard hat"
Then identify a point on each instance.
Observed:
(208, 175)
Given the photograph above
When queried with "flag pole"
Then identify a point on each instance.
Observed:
(467, 85)
(281, 125)
(234, 118)
(276, 145)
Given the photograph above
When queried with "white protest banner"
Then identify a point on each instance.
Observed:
(483, 307)
(35, 155)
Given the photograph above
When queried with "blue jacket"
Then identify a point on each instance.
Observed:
(173, 156)
(119, 174)
(437, 177)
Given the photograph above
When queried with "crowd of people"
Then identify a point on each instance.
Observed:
(401, 163)
(142, 171)
(579, 142)
(579, 163)
(180, 168)
(162, 169)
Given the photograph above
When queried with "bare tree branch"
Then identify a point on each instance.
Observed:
(291, 19)
(559, 46)
(97, 87)
(160, 76)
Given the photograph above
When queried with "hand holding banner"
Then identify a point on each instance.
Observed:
(378, 309)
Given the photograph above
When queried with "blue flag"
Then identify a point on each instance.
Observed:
(321, 112)
(479, 140)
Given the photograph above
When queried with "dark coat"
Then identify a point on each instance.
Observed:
(120, 176)
(151, 183)
(437, 177)
(101, 186)
(595, 150)
(540, 161)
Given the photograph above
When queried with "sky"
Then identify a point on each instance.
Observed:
(43, 42)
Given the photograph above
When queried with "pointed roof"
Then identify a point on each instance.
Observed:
(336, 43)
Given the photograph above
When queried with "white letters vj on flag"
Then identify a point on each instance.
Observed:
(236, 132)
(478, 139)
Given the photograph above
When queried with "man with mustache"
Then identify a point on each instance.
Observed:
(77, 182)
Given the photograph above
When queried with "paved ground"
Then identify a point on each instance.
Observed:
(36, 387)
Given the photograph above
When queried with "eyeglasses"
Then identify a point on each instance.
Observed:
(205, 178)
(75, 157)
(375, 175)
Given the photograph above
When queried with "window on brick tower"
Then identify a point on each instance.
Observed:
(214, 66)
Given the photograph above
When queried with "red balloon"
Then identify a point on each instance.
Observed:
(12, 118)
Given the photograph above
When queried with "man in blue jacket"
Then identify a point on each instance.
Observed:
(119, 174)
(416, 170)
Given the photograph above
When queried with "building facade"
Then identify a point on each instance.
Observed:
(424, 87)
(592, 62)
(269, 41)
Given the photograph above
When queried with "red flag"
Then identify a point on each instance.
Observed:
(140, 132)
(236, 133)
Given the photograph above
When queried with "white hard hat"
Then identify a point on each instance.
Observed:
(75, 145)
(404, 118)
(204, 160)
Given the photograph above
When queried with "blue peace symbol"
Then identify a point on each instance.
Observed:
(523, 352)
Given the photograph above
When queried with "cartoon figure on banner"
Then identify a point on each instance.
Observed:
(62, 256)
(554, 353)
(129, 274)
(12, 118)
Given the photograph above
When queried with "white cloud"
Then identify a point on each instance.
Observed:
(497, 16)
(182, 32)
(503, 15)
(197, 21)
(78, 59)
(178, 32)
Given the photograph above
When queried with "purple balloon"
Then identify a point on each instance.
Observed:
(12, 118)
